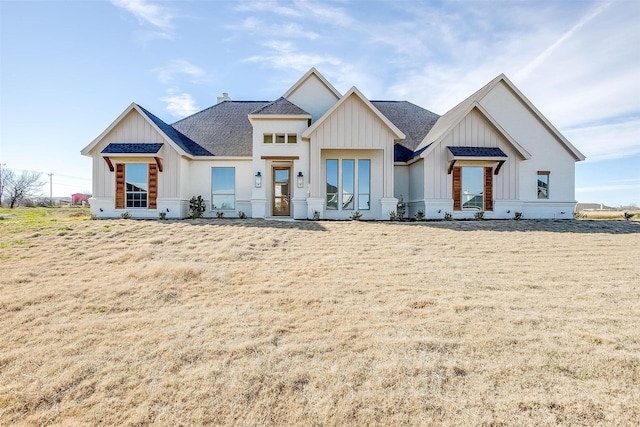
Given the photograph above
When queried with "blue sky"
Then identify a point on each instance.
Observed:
(69, 68)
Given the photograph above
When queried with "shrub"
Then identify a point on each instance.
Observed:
(517, 215)
(242, 215)
(125, 215)
(628, 216)
(356, 216)
(400, 209)
(448, 216)
(316, 215)
(162, 215)
(393, 216)
(479, 215)
(419, 215)
(197, 206)
(219, 214)
(579, 215)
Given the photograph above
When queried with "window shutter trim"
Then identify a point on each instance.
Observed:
(488, 188)
(120, 186)
(457, 188)
(153, 185)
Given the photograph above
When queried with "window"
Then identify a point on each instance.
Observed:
(472, 188)
(268, 138)
(223, 188)
(543, 184)
(332, 184)
(343, 196)
(136, 185)
(292, 138)
(364, 178)
(279, 138)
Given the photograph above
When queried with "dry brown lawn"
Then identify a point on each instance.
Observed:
(231, 322)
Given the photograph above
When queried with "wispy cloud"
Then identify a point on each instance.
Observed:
(531, 66)
(180, 104)
(284, 30)
(302, 10)
(607, 141)
(158, 16)
(285, 55)
(167, 73)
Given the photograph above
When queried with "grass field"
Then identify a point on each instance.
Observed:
(231, 322)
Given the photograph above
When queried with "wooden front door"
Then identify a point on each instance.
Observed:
(281, 191)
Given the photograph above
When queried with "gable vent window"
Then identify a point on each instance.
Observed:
(268, 138)
(279, 138)
(292, 138)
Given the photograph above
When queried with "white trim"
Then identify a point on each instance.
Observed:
(354, 91)
(86, 151)
(304, 78)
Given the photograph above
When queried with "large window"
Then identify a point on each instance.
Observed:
(543, 184)
(332, 184)
(136, 185)
(348, 184)
(223, 188)
(364, 183)
(473, 188)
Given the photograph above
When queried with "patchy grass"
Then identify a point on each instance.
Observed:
(311, 323)
(608, 215)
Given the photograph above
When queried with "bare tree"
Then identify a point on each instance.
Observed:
(19, 187)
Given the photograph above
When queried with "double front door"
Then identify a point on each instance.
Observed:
(281, 191)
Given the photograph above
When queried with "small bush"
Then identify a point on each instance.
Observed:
(356, 216)
(479, 215)
(92, 217)
(316, 215)
(219, 214)
(125, 215)
(517, 215)
(393, 216)
(579, 215)
(401, 208)
(197, 206)
(419, 215)
(242, 215)
(448, 216)
(162, 215)
(628, 216)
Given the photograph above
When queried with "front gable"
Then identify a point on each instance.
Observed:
(353, 122)
(313, 93)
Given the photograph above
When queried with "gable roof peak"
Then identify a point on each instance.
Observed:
(312, 72)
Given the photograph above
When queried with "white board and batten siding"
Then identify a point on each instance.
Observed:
(352, 126)
(472, 131)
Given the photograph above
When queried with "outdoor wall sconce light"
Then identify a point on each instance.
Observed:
(258, 180)
(300, 180)
(167, 209)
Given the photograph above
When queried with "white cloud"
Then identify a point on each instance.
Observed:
(158, 16)
(284, 55)
(607, 141)
(286, 29)
(300, 9)
(180, 104)
(167, 73)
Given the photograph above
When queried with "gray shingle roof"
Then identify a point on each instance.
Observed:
(223, 129)
(280, 106)
(477, 151)
(114, 148)
(415, 122)
(180, 139)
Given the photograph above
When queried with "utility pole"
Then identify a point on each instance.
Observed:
(51, 189)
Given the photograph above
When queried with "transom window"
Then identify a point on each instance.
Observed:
(344, 191)
(137, 185)
(223, 188)
(280, 138)
(472, 188)
(543, 184)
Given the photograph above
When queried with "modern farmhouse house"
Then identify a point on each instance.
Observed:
(317, 151)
